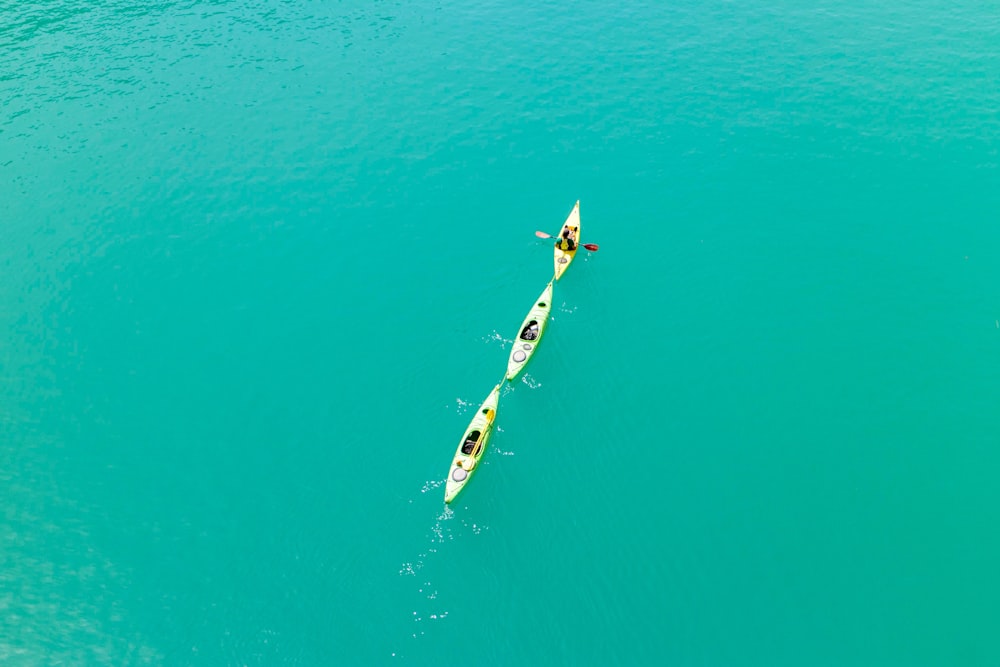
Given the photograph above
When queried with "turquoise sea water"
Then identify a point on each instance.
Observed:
(261, 260)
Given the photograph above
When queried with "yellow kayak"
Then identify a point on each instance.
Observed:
(530, 333)
(564, 257)
(471, 446)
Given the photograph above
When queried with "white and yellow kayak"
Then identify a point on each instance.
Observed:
(471, 446)
(530, 333)
(564, 257)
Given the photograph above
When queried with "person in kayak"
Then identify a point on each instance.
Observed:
(470, 443)
(568, 240)
(530, 332)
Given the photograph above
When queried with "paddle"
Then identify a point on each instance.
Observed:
(589, 246)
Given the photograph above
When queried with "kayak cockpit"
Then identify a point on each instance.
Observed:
(530, 331)
(471, 440)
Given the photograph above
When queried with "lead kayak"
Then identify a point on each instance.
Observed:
(564, 257)
(471, 446)
(530, 333)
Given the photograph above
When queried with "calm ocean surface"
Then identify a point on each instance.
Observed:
(261, 261)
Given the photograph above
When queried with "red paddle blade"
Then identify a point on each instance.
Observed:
(542, 235)
(591, 246)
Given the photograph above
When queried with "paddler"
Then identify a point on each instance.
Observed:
(567, 241)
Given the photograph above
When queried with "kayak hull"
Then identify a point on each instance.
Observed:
(563, 258)
(525, 343)
(472, 446)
